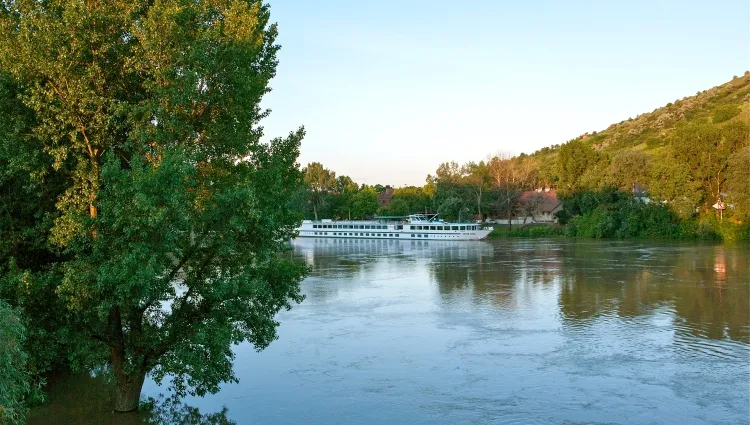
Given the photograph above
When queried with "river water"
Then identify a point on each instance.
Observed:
(511, 331)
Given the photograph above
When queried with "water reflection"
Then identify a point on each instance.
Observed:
(705, 288)
(83, 399)
(555, 330)
(432, 332)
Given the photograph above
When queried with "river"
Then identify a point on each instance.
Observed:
(510, 331)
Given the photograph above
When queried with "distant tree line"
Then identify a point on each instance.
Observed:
(703, 164)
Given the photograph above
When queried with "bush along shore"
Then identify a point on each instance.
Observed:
(619, 215)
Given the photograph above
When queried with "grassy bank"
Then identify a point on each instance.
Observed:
(535, 231)
(591, 227)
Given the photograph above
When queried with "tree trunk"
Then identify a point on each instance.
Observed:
(479, 207)
(128, 383)
(128, 393)
(315, 211)
(129, 377)
(510, 218)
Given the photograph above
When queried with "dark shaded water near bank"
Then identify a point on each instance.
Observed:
(507, 331)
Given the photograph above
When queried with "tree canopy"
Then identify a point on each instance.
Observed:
(137, 126)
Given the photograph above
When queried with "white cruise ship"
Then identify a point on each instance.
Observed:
(412, 227)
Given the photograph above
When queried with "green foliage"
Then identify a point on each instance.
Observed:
(397, 207)
(626, 218)
(725, 113)
(319, 181)
(629, 168)
(14, 376)
(573, 160)
(29, 188)
(537, 231)
(670, 182)
(364, 203)
(738, 184)
(611, 213)
(165, 411)
(706, 148)
(453, 209)
(137, 126)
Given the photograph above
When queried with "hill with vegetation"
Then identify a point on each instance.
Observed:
(657, 134)
(660, 174)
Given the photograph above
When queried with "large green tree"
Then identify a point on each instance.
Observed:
(573, 159)
(706, 148)
(172, 212)
(478, 182)
(671, 183)
(320, 182)
(628, 169)
(738, 183)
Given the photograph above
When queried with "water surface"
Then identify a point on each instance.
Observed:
(512, 331)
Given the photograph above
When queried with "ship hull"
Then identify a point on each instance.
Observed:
(369, 230)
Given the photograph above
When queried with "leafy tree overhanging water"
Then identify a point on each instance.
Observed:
(152, 217)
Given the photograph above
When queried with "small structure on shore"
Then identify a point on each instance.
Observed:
(540, 205)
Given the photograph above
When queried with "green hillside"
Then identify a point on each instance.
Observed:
(699, 139)
(651, 131)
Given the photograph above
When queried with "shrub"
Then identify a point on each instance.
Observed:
(14, 377)
(725, 113)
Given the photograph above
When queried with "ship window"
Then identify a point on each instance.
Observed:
(412, 235)
(463, 227)
(315, 226)
(432, 227)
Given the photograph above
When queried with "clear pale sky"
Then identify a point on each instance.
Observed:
(387, 90)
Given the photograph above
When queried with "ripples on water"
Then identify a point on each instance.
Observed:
(504, 332)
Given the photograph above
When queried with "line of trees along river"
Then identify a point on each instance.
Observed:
(687, 158)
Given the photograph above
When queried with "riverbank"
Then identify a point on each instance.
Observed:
(528, 231)
(588, 227)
